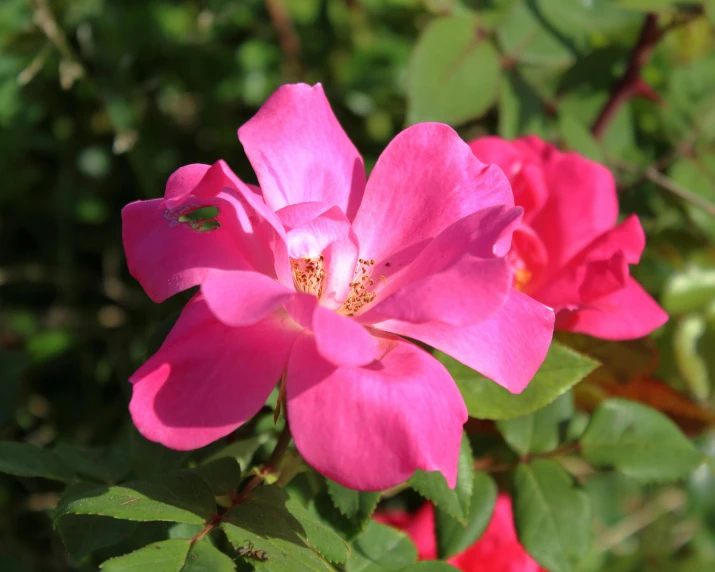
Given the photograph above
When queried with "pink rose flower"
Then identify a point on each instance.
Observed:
(569, 252)
(315, 275)
(497, 550)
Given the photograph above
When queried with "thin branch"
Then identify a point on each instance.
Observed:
(656, 177)
(290, 43)
(273, 462)
(489, 467)
(631, 83)
(626, 87)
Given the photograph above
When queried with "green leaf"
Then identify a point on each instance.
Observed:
(521, 109)
(452, 537)
(578, 138)
(433, 486)
(648, 5)
(26, 460)
(429, 566)
(540, 431)
(241, 450)
(263, 522)
(83, 533)
(528, 39)
(173, 555)
(553, 519)
(204, 557)
(319, 535)
(184, 497)
(639, 442)
(689, 289)
(453, 74)
(222, 475)
(696, 175)
(354, 505)
(380, 548)
(165, 556)
(101, 463)
(485, 399)
(149, 458)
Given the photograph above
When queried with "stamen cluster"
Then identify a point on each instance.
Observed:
(308, 275)
(359, 294)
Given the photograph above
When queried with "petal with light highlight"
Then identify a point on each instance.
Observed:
(508, 347)
(369, 428)
(207, 379)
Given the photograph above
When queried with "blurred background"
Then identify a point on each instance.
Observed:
(100, 100)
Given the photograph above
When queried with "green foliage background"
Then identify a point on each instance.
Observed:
(100, 100)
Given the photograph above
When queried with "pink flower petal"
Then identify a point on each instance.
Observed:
(582, 205)
(167, 253)
(498, 549)
(419, 526)
(341, 340)
(207, 378)
(315, 229)
(167, 256)
(520, 160)
(507, 348)
(369, 428)
(456, 279)
(242, 298)
(468, 292)
(623, 315)
(183, 181)
(426, 179)
(599, 269)
(300, 153)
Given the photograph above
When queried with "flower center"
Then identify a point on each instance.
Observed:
(522, 274)
(308, 275)
(359, 288)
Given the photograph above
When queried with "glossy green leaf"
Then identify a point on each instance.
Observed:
(552, 517)
(355, 505)
(102, 463)
(453, 75)
(222, 475)
(381, 548)
(26, 460)
(83, 533)
(453, 537)
(540, 431)
(263, 522)
(241, 450)
(639, 442)
(433, 486)
(173, 555)
(318, 534)
(175, 498)
(485, 399)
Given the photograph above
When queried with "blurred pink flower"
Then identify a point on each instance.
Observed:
(311, 276)
(569, 252)
(497, 550)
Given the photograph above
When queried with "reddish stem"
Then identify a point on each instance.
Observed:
(627, 86)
